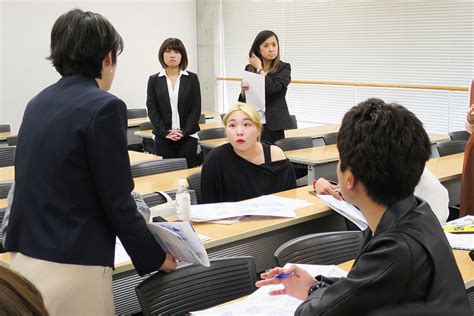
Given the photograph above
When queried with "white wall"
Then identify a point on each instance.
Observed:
(25, 28)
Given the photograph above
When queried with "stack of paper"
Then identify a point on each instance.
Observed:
(262, 303)
(267, 205)
(461, 241)
(345, 209)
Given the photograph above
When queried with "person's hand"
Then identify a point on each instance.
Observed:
(255, 61)
(470, 114)
(323, 186)
(170, 263)
(174, 134)
(296, 285)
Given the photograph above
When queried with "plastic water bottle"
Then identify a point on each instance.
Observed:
(183, 202)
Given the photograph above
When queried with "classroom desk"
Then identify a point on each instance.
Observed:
(149, 133)
(162, 181)
(3, 203)
(134, 122)
(8, 173)
(448, 170)
(5, 135)
(211, 114)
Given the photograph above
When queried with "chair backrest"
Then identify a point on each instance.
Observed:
(4, 189)
(202, 119)
(451, 147)
(470, 298)
(194, 287)
(293, 143)
(7, 156)
(294, 121)
(158, 166)
(12, 140)
(5, 128)
(194, 181)
(135, 113)
(459, 135)
(211, 133)
(330, 138)
(156, 198)
(321, 248)
(145, 126)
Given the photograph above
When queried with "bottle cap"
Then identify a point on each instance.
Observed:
(182, 183)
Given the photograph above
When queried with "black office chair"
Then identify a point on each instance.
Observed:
(7, 156)
(156, 198)
(5, 128)
(194, 181)
(294, 143)
(330, 138)
(136, 113)
(451, 147)
(459, 135)
(294, 122)
(12, 140)
(4, 189)
(211, 133)
(158, 166)
(202, 119)
(470, 298)
(194, 287)
(2, 214)
(321, 248)
(147, 143)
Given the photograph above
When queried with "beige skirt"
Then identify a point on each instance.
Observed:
(68, 289)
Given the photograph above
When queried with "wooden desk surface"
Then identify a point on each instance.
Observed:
(447, 167)
(4, 135)
(314, 155)
(313, 131)
(8, 173)
(162, 181)
(149, 133)
(3, 203)
(137, 121)
(211, 114)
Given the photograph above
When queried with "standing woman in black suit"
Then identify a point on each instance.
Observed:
(174, 104)
(73, 178)
(264, 59)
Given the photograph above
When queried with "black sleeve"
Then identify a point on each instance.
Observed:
(110, 169)
(275, 84)
(153, 112)
(193, 117)
(241, 95)
(287, 177)
(210, 179)
(380, 277)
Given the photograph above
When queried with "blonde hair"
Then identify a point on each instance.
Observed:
(248, 110)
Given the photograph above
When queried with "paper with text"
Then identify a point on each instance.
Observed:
(255, 95)
(347, 210)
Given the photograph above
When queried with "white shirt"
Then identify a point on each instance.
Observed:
(469, 127)
(434, 193)
(173, 93)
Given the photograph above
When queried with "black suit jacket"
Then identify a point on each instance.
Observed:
(159, 106)
(73, 181)
(277, 115)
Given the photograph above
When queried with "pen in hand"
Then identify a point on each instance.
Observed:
(284, 275)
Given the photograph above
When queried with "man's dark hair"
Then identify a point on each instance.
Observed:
(386, 148)
(176, 45)
(80, 41)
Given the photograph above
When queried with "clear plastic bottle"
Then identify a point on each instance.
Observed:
(183, 202)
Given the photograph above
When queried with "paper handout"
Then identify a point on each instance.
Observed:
(347, 210)
(255, 95)
(180, 239)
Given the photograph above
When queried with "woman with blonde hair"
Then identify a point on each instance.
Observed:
(244, 168)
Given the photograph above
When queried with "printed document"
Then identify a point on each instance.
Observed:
(255, 95)
(347, 210)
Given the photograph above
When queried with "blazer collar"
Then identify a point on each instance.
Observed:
(162, 73)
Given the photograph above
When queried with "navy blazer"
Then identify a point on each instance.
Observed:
(159, 106)
(277, 116)
(73, 181)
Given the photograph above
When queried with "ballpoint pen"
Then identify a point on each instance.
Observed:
(284, 275)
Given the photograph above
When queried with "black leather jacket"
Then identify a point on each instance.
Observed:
(408, 262)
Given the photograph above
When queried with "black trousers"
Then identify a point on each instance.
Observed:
(270, 137)
(186, 147)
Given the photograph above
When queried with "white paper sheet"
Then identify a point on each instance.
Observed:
(461, 241)
(347, 210)
(268, 205)
(255, 95)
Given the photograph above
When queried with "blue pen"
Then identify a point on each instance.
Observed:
(284, 275)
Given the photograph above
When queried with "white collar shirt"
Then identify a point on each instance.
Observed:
(173, 94)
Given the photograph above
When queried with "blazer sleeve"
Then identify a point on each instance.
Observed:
(278, 82)
(153, 112)
(110, 169)
(192, 120)
(365, 288)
